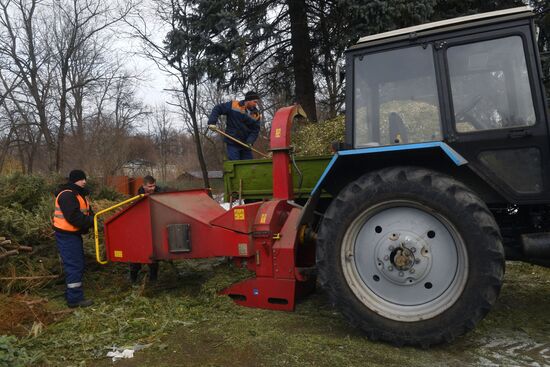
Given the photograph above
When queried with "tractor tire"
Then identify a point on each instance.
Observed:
(410, 256)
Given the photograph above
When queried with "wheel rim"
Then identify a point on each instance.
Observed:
(404, 261)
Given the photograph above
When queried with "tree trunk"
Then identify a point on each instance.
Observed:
(191, 102)
(79, 120)
(301, 57)
(5, 148)
(61, 131)
(200, 155)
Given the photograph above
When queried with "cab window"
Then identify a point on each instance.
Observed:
(490, 85)
(395, 97)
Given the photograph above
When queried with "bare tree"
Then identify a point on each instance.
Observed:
(118, 112)
(77, 23)
(162, 125)
(180, 66)
(24, 131)
(55, 49)
(7, 128)
(24, 43)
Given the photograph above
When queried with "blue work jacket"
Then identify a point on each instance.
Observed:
(242, 124)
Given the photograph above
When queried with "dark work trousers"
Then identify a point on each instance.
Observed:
(71, 250)
(136, 267)
(237, 152)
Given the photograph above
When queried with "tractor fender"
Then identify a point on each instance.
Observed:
(348, 165)
(340, 159)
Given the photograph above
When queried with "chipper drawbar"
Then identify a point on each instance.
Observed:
(263, 236)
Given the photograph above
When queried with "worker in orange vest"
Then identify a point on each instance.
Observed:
(73, 217)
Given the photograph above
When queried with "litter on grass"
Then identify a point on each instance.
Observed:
(117, 353)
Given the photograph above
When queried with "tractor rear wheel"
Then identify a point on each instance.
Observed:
(410, 256)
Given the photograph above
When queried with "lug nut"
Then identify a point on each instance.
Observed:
(401, 273)
(386, 258)
(391, 248)
(412, 271)
(390, 268)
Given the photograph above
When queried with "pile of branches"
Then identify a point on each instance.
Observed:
(10, 271)
(7, 248)
(29, 258)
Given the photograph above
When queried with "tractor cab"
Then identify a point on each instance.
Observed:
(473, 83)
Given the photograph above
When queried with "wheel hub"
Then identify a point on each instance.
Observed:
(403, 258)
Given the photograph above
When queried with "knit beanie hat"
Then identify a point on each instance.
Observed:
(76, 175)
(251, 96)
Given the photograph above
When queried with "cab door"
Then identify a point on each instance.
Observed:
(496, 117)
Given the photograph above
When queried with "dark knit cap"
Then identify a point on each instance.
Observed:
(251, 96)
(76, 175)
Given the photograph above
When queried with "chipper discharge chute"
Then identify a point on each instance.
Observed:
(262, 236)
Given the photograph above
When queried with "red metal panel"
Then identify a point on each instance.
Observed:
(269, 221)
(282, 176)
(128, 234)
(239, 218)
(280, 145)
(206, 240)
(269, 293)
(139, 233)
(284, 249)
(194, 203)
(282, 125)
(197, 209)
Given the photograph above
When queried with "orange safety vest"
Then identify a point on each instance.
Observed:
(59, 220)
(236, 106)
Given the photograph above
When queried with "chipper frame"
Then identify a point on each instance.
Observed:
(262, 236)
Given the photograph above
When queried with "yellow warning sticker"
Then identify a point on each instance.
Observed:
(118, 253)
(278, 132)
(263, 218)
(239, 214)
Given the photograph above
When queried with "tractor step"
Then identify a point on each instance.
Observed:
(536, 245)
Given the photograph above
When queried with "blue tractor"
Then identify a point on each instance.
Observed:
(444, 174)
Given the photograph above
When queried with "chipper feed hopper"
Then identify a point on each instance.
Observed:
(263, 236)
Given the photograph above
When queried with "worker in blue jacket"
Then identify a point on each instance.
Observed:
(243, 123)
(72, 218)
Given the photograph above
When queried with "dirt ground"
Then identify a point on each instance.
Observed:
(515, 333)
(24, 315)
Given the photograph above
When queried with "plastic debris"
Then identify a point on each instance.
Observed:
(117, 353)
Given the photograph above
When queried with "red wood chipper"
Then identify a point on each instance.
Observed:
(263, 236)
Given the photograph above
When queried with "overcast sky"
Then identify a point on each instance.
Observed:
(154, 81)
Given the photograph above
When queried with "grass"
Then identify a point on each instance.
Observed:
(186, 323)
(123, 315)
